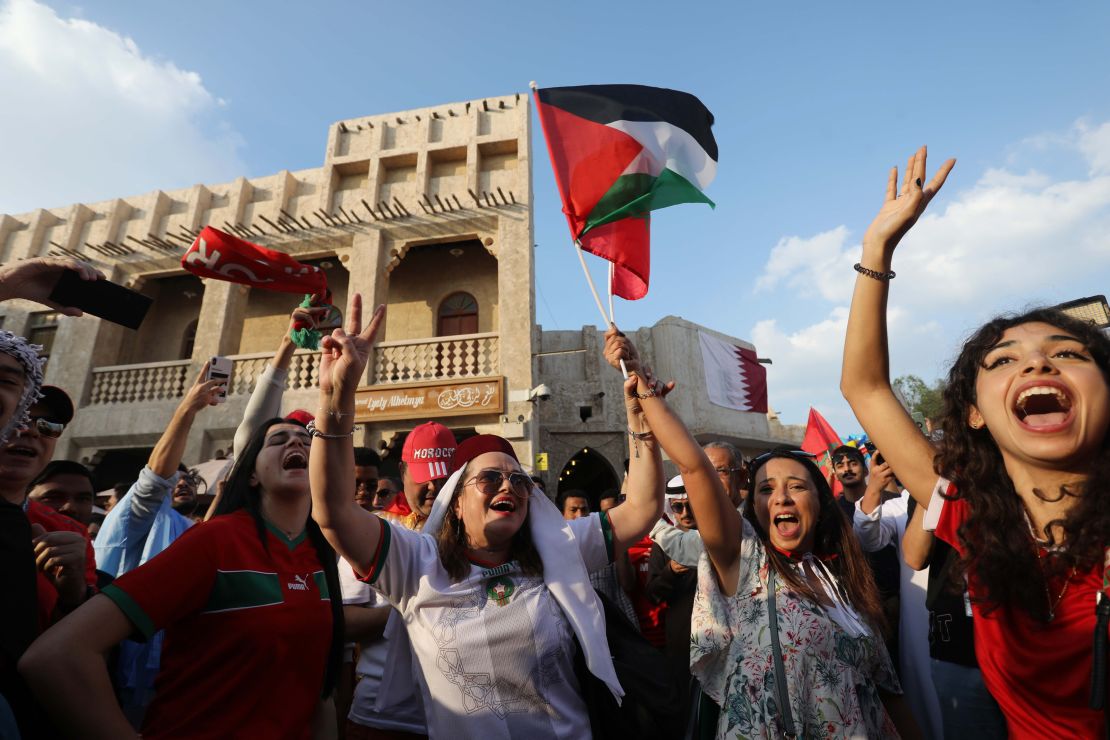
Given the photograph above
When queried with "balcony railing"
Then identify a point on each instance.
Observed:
(440, 358)
(408, 361)
(151, 381)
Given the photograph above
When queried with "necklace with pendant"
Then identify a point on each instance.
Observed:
(1048, 595)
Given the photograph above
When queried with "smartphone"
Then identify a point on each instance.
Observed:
(108, 300)
(219, 368)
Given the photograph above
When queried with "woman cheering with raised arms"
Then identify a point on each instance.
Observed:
(1018, 485)
(786, 622)
(495, 591)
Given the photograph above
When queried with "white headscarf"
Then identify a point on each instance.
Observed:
(565, 577)
(27, 355)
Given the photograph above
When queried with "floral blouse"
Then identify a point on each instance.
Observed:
(833, 679)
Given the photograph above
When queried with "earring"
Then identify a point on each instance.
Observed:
(977, 424)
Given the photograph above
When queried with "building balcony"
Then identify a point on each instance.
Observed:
(407, 361)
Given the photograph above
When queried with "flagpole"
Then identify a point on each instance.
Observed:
(612, 315)
(593, 290)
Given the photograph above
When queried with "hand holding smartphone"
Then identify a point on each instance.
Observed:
(219, 368)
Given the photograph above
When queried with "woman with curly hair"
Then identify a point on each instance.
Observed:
(1015, 485)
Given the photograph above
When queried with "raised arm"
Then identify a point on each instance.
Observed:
(35, 279)
(265, 400)
(643, 502)
(351, 530)
(917, 542)
(865, 376)
(718, 520)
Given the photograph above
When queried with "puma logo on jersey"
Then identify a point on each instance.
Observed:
(300, 583)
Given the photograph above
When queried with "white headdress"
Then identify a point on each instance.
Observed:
(27, 355)
(566, 577)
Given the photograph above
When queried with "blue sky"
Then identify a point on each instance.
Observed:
(814, 102)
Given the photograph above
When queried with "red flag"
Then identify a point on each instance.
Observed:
(399, 505)
(820, 440)
(222, 256)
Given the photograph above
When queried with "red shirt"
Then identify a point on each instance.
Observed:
(649, 613)
(1039, 673)
(247, 631)
(52, 521)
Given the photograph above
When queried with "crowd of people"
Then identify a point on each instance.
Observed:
(740, 598)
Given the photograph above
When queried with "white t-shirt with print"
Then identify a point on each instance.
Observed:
(495, 649)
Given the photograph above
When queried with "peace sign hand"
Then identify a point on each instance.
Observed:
(343, 356)
(901, 210)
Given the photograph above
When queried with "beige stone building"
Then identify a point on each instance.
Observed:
(427, 211)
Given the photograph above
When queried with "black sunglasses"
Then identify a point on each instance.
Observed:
(680, 507)
(489, 482)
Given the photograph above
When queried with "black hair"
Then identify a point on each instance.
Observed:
(850, 451)
(995, 536)
(240, 494)
(62, 467)
(572, 493)
(609, 493)
(364, 456)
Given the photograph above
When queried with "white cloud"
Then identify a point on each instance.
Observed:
(88, 116)
(1015, 237)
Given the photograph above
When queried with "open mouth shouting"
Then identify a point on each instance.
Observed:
(503, 505)
(787, 525)
(1043, 406)
(294, 460)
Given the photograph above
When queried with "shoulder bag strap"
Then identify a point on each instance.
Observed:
(786, 717)
(1098, 662)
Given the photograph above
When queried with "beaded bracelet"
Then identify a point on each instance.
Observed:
(313, 431)
(875, 274)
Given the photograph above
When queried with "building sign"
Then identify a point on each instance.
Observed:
(429, 400)
(541, 461)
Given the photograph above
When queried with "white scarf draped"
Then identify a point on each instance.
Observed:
(564, 574)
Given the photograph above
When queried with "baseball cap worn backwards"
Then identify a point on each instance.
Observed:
(428, 451)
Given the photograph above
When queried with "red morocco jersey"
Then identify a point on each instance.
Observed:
(247, 631)
(1039, 673)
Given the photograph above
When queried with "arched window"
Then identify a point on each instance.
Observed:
(188, 339)
(458, 314)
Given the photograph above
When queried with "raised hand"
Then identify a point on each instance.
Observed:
(202, 393)
(343, 354)
(619, 347)
(35, 279)
(901, 209)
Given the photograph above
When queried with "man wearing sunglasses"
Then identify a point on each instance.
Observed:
(67, 566)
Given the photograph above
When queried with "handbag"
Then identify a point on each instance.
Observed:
(782, 695)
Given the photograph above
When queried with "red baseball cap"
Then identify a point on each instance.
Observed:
(428, 451)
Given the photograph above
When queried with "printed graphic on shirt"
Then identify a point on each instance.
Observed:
(515, 686)
(500, 590)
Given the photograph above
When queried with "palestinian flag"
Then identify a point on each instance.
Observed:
(620, 152)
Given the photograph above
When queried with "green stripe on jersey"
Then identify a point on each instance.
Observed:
(607, 533)
(243, 589)
(130, 609)
(322, 585)
(290, 543)
(383, 551)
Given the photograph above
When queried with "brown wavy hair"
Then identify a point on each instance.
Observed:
(834, 536)
(452, 540)
(999, 550)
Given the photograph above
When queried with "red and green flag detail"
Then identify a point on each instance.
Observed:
(620, 152)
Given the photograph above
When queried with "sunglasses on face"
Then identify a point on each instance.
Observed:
(488, 482)
(45, 427)
(680, 507)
